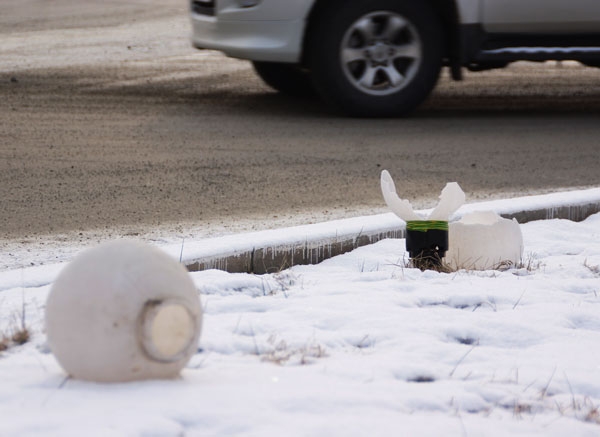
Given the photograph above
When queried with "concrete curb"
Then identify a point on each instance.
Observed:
(272, 251)
(273, 258)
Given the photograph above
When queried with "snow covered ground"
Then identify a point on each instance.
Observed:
(357, 345)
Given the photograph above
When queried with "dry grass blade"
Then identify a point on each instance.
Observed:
(462, 359)
(4, 342)
(19, 334)
(280, 353)
(594, 269)
(593, 415)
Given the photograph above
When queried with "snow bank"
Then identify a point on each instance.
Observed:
(357, 345)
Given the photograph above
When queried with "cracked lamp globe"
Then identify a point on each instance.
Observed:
(123, 311)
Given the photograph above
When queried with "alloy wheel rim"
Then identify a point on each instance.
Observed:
(381, 53)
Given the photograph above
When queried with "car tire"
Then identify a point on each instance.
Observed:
(288, 79)
(590, 63)
(375, 58)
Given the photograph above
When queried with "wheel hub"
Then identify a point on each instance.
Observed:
(379, 53)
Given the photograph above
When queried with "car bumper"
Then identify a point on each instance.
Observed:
(272, 40)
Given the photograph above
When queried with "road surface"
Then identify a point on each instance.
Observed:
(112, 124)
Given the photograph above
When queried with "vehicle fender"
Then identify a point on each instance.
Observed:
(265, 10)
(469, 11)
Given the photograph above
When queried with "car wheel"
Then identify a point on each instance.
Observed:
(375, 58)
(288, 79)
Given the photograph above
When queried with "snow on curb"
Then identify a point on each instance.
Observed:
(273, 250)
(269, 251)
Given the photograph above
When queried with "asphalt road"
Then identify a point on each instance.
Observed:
(110, 120)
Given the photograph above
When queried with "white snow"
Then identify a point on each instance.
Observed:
(357, 345)
(51, 256)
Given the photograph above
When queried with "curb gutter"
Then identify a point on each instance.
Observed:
(271, 251)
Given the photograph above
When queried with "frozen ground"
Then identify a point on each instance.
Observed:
(358, 345)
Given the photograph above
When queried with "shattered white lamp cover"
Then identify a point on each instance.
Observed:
(123, 311)
(478, 241)
(484, 240)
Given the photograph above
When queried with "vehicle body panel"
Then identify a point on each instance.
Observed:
(540, 16)
(274, 41)
(274, 30)
(469, 11)
(265, 10)
(270, 31)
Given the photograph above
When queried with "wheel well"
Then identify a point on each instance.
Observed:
(448, 13)
(310, 21)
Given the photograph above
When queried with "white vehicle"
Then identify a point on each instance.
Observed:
(383, 57)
